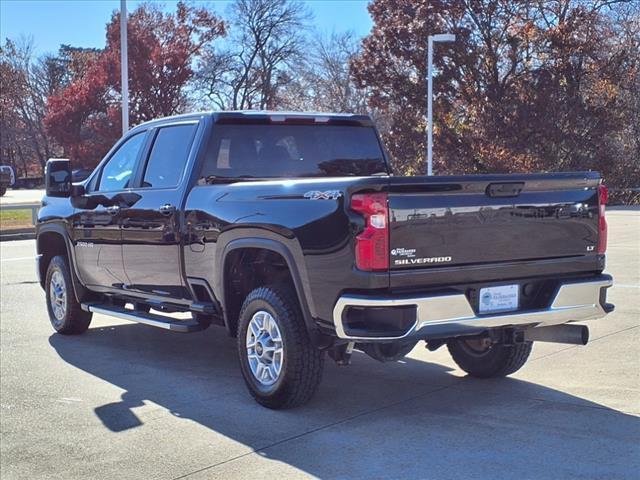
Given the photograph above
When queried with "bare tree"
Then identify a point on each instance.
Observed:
(32, 83)
(27, 82)
(322, 79)
(266, 38)
(10, 125)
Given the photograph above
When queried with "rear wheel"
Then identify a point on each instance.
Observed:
(65, 313)
(280, 365)
(479, 357)
(3, 190)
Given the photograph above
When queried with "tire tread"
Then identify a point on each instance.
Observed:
(501, 361)
(77, 319)
(304, 361)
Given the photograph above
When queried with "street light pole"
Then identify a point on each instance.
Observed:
(124, 66)
(429, 107)
(441, 37)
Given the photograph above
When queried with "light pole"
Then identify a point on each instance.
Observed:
(441, 37)
(124, 66)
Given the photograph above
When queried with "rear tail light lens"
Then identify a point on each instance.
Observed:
(372, 245)
(603, 195)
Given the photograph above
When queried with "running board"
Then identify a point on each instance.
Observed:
(160, 321)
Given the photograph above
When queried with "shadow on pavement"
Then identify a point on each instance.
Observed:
(436, 425)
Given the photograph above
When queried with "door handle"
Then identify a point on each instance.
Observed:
(507, 189)
(167, 209)
(113, 209)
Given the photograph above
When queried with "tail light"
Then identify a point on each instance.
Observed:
(603, 194)
(372, 245)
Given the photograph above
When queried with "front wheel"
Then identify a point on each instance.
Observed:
(280, 365)
(481, 358)
(65, 313)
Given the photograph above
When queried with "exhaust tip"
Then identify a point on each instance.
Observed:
(571, 334)
(584, 333)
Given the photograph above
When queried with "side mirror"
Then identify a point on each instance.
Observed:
(80, 175)
(126, 199)
(58, 177)
(87, 202)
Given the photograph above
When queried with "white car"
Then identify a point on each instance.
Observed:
(7, 178)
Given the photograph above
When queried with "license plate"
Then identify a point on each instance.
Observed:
(499, 299)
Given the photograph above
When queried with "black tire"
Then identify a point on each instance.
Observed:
(3, 190)
(302, 363)
(495, 360)
(69, 319)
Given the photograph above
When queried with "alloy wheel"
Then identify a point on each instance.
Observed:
(265, 349)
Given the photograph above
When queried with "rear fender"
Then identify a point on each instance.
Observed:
(292, 256)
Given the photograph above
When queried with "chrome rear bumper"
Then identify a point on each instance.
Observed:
(443, 315)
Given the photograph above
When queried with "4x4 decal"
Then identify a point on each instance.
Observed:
(327, 195)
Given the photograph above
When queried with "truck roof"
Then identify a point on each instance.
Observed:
(269, 116)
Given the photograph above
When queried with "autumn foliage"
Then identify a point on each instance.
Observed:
(85, 117)
(526, 86)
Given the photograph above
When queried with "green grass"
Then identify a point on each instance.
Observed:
(15, 219)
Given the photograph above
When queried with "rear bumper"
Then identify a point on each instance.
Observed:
(440, 316)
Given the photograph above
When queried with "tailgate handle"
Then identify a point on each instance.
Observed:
(509, 189)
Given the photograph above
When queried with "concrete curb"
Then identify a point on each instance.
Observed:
(623, 208)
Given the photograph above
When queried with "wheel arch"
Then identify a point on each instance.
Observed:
(257, 244)
(51, 240)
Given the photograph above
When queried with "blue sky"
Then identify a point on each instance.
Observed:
(82, 23)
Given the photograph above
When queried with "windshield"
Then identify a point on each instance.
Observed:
(281, 151)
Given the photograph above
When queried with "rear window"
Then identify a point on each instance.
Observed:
(277, 151)
(169, 156)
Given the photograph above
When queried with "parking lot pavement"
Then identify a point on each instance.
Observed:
(129, 401)
(20, 196)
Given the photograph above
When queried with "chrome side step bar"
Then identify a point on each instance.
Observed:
(151, 319)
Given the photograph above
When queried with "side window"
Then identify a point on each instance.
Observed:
(118, 171)
(169, 156)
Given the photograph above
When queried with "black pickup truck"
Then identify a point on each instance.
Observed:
(291, 232)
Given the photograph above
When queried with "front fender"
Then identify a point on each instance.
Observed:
(59, 229)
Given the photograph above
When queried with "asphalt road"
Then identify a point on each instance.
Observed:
(130, 401)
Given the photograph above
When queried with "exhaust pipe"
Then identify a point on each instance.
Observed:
(572, 334)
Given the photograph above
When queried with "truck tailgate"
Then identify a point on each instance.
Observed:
(485, 219)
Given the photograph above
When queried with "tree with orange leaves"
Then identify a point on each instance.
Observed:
(527, 86)
(85, 117)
